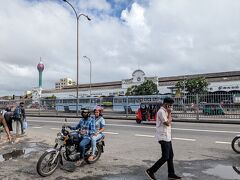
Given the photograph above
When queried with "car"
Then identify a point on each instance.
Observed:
(213, 109)
(147, 111)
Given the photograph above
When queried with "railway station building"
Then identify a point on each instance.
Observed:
(222, 82)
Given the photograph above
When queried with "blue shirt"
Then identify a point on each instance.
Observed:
(88, 125)
(99, 123)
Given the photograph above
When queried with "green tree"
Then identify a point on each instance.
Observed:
(51, 97)
(193, 86)
(146, 88)
(131, 91)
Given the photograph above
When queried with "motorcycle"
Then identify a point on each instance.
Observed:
(67, 146)
(236, 144)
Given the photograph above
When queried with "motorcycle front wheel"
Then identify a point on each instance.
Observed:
(236, 144)
(236, 169)
(45, 165)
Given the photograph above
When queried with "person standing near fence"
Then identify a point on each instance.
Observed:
(19, 117)
(163, 135)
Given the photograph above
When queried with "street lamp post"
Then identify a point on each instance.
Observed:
(184, 95)
(90, 62)
(77, 17)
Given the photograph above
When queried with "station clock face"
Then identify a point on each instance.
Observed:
(138, 79)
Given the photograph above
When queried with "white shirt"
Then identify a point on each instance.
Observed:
(3, 113)
(163, 132)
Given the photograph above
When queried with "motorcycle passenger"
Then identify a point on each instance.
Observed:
(86, 128)
(100, 127)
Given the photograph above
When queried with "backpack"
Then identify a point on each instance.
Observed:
(17, 113)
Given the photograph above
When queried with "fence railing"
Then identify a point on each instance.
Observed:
(194, 106)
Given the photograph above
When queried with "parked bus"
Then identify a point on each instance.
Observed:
(132, 103)
(70, 104)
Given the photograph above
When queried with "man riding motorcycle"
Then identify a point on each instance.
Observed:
(86, 127)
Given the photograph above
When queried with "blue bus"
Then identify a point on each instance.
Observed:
(70, 104)
(132, 103)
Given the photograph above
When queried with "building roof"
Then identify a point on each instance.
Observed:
(138, 70)
(163, 81)
(210, 77)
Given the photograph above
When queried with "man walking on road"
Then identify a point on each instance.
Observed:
(163, 135)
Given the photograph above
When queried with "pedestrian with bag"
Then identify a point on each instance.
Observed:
(19, 117)
(163, 135)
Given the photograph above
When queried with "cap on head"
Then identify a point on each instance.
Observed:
(84, 110)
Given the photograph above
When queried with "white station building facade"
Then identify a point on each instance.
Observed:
(218, 82)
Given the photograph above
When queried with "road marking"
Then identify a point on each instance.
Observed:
(124, 125)
(36, 127)
(143, 135)
(148, 127)
(221, 142)
(206, 130)
(184, 139)
(179, 129)
(110, 133)
(151, 136)
(55, 129)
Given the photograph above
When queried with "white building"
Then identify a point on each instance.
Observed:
(218, 82)
(64, 82)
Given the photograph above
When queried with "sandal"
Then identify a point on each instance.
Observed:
(79, 162)
(92, 157)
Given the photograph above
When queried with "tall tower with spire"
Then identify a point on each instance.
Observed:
(40, 68)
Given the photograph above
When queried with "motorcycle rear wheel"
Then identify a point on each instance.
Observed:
(51, 167)
(236, 144)
(98, 155)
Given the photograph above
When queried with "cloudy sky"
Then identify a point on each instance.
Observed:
(161, 37)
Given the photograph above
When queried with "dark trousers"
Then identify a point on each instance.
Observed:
(167, 156)
(84, 142)
(8, 119)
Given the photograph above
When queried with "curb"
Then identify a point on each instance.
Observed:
(219, 121)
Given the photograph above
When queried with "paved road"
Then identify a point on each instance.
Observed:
(202, 151)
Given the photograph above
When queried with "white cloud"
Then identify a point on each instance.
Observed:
(164, 38)
(95, 4)
(135, 19)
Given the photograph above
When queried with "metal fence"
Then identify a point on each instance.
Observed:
(194, 106)
(199, 106)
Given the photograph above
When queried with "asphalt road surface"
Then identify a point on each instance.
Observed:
(202, 151)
